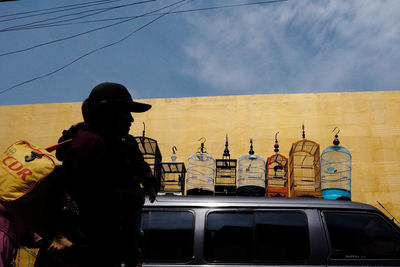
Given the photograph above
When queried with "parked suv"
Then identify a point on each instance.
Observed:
(244, 231)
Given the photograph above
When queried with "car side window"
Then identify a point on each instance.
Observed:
(257, 237)
(168, 236)
(228, 237)
(281, 236)
(361, 236)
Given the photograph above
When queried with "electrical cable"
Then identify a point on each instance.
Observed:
(75, 6)
(52, 8)
(57, 24)
(100, 10)
(73, 36)
(129, 19)
(24, 26)
(130, 34)
(229, 6)
(179, 3)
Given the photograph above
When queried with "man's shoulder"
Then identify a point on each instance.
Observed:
(88, 138)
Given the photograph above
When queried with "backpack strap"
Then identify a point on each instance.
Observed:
(57, 146)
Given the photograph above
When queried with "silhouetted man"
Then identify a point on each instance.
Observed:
(104, 176)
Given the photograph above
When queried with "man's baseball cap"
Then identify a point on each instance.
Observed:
(115, 93)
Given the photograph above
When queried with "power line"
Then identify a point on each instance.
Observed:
(59, 23)
(230, 6)
(181, 3)
(32, 24)
(178, 3)
(82, 5)
(131, 18)
(75, 35)
(99, 10)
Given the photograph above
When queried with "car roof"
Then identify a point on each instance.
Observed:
(255, 202)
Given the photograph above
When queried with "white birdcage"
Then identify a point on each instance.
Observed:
(251, 174)
(200, 173)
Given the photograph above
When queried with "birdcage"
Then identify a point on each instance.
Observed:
(151, 154)
(225, 177)
(277, 174)
(200, 173)
(305, 169)
(251, 174)
(173, 173)
(336, 171)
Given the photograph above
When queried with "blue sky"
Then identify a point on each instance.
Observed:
(293, 46)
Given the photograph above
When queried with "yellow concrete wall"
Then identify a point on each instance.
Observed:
(369, 125)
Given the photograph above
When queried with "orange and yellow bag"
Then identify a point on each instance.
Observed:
(29, 184)
(23, 167)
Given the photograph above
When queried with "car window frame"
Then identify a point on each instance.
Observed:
(175, 209)
(355, 261)
(306, 212)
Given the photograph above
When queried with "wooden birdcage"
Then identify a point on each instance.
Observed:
(151, 154)
(173, 173)
(305, 169)
(277, 174)
(225, 175)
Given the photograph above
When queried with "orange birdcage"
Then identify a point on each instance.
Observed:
(305, 169)
(277, 174)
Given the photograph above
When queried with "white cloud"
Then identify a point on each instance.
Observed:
(294, 46)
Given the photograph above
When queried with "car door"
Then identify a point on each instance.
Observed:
(361, 238)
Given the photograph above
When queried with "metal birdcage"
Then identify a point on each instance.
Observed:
(277, 174)
(173, 173)
(251, 174)
(225, 177)
(151, 153)
(200, 173)
(336, 171)
(305, 169)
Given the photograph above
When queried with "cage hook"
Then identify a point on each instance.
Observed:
(143, 135)
(336, 135)
(251, 152)
(336, 141)
(276, 137)
(226, 151)
(276, 146)
(173, 157)
(202, 144)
